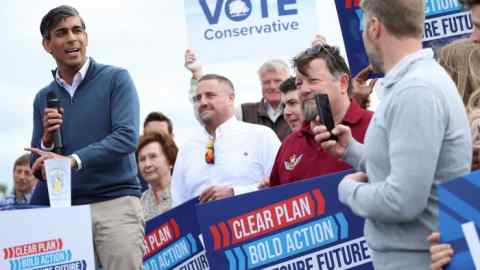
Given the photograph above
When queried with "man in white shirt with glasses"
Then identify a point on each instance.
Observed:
(227, 157)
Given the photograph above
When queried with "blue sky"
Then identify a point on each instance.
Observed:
(146, 37)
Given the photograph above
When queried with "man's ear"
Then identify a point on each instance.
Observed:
(46, 45)
(344, 81)
(231, 97)
(86, 39)
(374, 28)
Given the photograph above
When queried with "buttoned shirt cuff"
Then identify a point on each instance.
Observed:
(238, 190)
(47, 148)
(78, 160)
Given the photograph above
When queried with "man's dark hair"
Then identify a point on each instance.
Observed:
(55, 16)
(160, 117)
(221, 79)
(288, 85)
(331, 55)
(23, 160)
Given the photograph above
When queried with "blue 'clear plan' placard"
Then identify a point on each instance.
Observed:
(297, 226)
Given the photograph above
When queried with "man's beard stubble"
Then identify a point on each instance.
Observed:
(309, 111)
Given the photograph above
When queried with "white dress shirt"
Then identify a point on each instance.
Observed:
(244, 156)
(77, 79)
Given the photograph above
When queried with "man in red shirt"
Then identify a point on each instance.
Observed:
(320, 69)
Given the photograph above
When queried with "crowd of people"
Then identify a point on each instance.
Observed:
(424, 132)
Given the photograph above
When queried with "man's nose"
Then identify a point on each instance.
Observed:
(272, 85)
(202, 102)
(287, 111)
(71, 36)
(147, 163)
(305, 91)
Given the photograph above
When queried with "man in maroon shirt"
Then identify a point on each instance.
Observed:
(320, 69)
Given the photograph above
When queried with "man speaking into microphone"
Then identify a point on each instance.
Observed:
(93, 110)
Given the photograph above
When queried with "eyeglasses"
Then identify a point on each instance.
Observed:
(210, 152)
(323, 48)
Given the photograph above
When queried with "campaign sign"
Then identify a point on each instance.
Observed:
(46, 239)
(222, 30)
(445, 21)
(298, 226)
(459, 219)
(172, 240)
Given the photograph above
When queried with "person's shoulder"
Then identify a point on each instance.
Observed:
(42, 93)
(356, 114)
(292, 141)
(256, 128)
(429, 76)
(195, 139)
(246, 104)
(7, 200)
(294, 136)
(99, 68)
(365, 119)
(366, 114)
(145, 194)
(44, 90)
(250, 105)
(459, 43)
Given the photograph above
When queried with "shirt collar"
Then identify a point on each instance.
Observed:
(272, 113)
(354, 113)
(305, 130)
(20, 200)
(222, 128)
(399, 70)
(164, 195)
(265, 108)
(81, 73)
(268, 107)
(28, 196)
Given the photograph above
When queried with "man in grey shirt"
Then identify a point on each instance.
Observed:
(418, 138)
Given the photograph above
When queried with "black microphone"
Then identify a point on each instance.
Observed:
(54, 102)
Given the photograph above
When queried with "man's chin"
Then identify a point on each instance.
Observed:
(273, 98)
(23, 190)
(74, 63)
(205, 119)
(148, 177)
(309, 111)
(296, 125)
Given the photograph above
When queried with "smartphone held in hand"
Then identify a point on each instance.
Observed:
(325, 113)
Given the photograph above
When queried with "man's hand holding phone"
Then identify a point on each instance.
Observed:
(338, 147)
